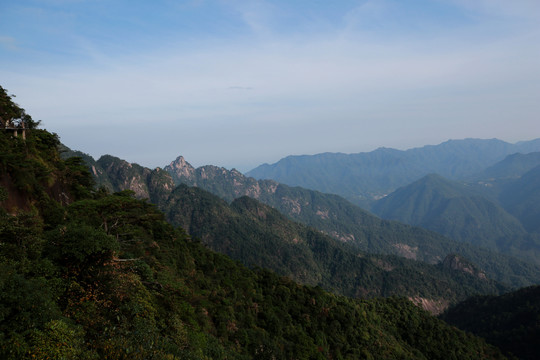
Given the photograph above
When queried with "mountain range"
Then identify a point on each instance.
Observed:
(330, 214)
(365, 177)
(304, 254)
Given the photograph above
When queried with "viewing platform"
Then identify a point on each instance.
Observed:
(15, 131)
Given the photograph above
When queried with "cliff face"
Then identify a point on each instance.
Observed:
(227, 184)
(458, 263)
(155, 185)
(330, 214)
(180, 169)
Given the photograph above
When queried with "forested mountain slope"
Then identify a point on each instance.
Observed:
(256, 234)
(338, 218)
(461, 213)
(509, 321)
(511, 167)
(521, 198)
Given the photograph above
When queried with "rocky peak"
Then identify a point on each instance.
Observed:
(180, 168)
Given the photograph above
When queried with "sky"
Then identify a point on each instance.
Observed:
(239, 83)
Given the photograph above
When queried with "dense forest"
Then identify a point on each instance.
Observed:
(510, 321)
(86, 274)
(327, 213)
(256, 234)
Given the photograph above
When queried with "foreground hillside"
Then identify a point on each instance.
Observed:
(88, 275)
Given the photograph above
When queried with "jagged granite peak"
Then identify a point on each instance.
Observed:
(340, 219)
(125, 175)
(180, 169)
(228, 184)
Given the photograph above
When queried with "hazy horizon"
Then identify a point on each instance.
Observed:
(196, 165)
(241, 83)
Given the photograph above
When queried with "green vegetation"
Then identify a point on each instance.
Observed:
(258, 235)
(512, 167)
(12, 115)
(113, 280)
(510, 321)
(459, 212)
(327, 213)
(522, 199)
(89, 275)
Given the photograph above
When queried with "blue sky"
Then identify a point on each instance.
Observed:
(239, 83)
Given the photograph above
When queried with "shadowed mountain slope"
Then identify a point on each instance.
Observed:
(346, 222)
(336, 217)
(459, 212)
(509, 321)
(512, 167)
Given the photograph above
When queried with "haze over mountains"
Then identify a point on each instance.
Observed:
(328, 213)
(88, 274)
(364, 177)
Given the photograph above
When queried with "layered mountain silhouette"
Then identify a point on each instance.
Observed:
(86, 274)
(511, 167)
(331, 214)
(364, 177)
(522, 199)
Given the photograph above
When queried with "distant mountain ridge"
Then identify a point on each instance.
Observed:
(522, 199)
(364, 177)
(89, 275)
(513, 166)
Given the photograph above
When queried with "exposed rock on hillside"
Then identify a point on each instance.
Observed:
(458, 263)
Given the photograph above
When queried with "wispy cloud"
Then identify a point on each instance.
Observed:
(342, 89)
